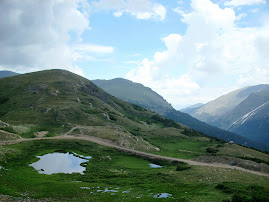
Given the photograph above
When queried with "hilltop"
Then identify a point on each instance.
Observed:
(57, 100)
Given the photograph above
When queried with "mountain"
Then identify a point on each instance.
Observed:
(134, 93)
(241, 103)
(54, 101)
(192, 108)
(253, 101)
(4, 74)
(170, 113)
(113, 145)
(254, 125)
(216, 108)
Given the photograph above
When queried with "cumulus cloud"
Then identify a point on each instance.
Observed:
(141, 9)
(213, 56)
(35, 34)
(236, 3)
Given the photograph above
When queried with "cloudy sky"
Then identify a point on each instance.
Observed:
(188, 51)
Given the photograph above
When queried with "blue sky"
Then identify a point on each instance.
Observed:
(187, 51)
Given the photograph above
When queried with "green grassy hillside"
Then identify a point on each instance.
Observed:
(50, 103)
(130, 177)
(57, 100)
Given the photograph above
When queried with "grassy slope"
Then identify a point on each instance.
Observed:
(124, 173)
(56, 100)
(25, 104)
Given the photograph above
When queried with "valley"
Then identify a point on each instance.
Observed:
(134, 100)
(65, 113)
(145, 97)
(130, 176)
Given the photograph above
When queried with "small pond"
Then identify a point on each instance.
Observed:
(60, 163)
(154, 165)
(163, 195)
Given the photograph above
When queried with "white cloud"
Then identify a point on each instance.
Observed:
(141, 9)
(93, 48)
(236, 3)
(118, 14)
(213, 56)
(36, 35)
(241, 16)
(179, 10)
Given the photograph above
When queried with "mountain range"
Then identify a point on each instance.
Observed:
(119, 87)
(243, 111)
(192, 108)
(56, 112)
(57, 100)
(143, 96)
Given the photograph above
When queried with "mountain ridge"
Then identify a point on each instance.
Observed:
(139, 94)
(189, 121)
(56, 100)
(244, 101)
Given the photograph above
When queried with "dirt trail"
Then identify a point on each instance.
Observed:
(8, 133)
(135, 152)
(71, 130)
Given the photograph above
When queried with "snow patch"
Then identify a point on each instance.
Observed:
(247, 116)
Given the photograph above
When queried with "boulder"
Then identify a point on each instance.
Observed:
(3, 124)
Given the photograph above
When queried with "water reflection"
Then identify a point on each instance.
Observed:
(163, 195)
(154, 165)
(60, 163)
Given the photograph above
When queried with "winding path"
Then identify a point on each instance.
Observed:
(108, 143)
(8, 133)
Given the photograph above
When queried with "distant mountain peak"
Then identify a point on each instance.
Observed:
(5, 73)
(138, 94)
(135, 93)
(239, 112)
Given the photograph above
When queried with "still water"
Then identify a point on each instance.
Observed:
(154, 165)
(60, 163)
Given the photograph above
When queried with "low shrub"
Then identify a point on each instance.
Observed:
(211, 150)
(182, 166)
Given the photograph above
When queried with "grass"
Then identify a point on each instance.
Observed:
(236, 150)
(180, 147)
(4, 136)
(56, 101)
(131, 176)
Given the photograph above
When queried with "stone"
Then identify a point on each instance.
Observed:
(3, 124)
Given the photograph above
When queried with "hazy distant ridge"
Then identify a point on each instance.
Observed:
(141, 95)
(226, 112)
(4, 74)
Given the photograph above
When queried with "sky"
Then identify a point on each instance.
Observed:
(189, 51)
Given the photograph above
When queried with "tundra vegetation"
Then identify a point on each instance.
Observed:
(59, 103)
